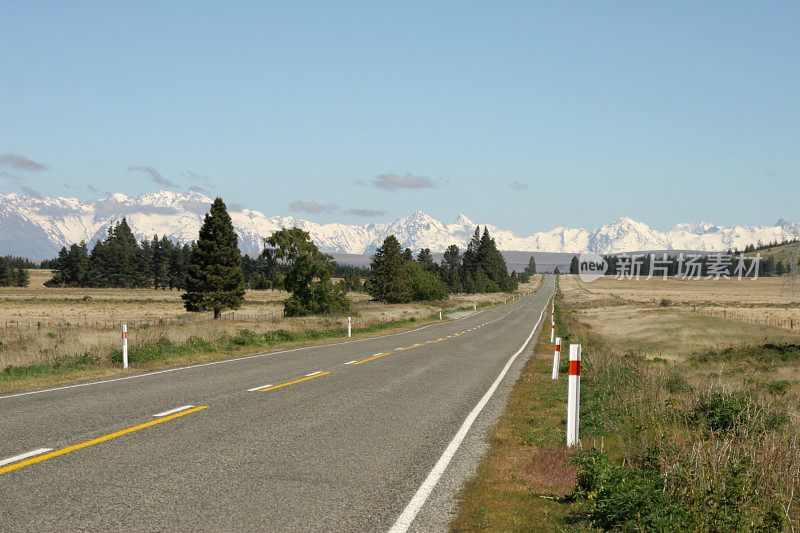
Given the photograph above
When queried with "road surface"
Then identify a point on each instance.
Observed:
(331, 438)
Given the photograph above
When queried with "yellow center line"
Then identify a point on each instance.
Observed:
(371, 358)
(98, 440)
(409, 347)
(295, 381)
(458, 335)
(440, 340)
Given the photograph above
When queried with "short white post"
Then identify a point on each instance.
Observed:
(557, 358)
(440, 314)
(474, 306)
(124, 346)
(553, 331)
(573, 394)
(349, 327)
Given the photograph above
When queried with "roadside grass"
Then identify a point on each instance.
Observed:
(62, 355)
(524, 476)
(687, 424)
(679, 442)
(161, 352)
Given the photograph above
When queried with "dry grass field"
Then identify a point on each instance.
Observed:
(756, 299)
(79, 323)
(688, 422)
(713, 403)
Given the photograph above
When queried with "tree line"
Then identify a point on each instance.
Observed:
(396, 276)
(120, 261)
(214, 274)
(14, 271)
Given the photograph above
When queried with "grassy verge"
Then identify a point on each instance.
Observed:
(699, 441)
(685, 444)
(521, 483)
(164, 353)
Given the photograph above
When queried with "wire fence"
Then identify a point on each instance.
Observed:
(137, 323)
(785, 323)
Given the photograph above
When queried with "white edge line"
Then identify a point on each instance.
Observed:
(223, 361)
(25, 455)
(408, 515)
(177, 409)
(259, 388)
(314, 373)
(378, 353)
(351, 362)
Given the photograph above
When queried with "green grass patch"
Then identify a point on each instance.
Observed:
(59, 365)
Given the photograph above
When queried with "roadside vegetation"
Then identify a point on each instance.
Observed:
(688, 423)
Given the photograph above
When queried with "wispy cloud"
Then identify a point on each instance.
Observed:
(32, 193)
(369, 213)
(10, 177)
(155, 176)
(312, 206)
(201, 190)
(393, 182)
(20, 162)
(199, 178)
(519, 186)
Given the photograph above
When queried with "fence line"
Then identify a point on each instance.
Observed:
(137, 323)
(785, 323)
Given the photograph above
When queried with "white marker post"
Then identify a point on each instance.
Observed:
(349, 327)
(440, 314)
(573, 394)
(557, 358)
(124, 346)
(552, 331)
(474, 306)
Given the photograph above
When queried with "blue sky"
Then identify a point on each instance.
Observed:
(527, 115)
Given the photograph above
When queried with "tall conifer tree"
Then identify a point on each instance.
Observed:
(214, 279)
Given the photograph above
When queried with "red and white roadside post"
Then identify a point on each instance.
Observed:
(573, 394)
(552, 330)
(557, 358)
(349, 327)
(124, 346)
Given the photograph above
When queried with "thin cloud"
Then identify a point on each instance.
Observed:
(393, 182)
(20, 162)
(519, 186)
(10, 178)
(33, 194)
(369, 213)
(312, 206)
(201, 190)
(205, 181)
(155, 176)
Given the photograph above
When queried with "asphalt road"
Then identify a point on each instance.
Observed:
(343, 450)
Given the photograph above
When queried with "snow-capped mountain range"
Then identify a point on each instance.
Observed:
(38, 227)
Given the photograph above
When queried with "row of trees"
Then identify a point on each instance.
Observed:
(214, 274)
(14, 272)
(397, 277)
(119, 261)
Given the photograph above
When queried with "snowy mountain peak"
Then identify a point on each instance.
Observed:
(462, 220)
(39, 227)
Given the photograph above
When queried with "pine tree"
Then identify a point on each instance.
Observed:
(214, 279)
(425, 259)
(573, 265)
(22, 278)
(6, 274)
(531, 268)
(389, 280)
